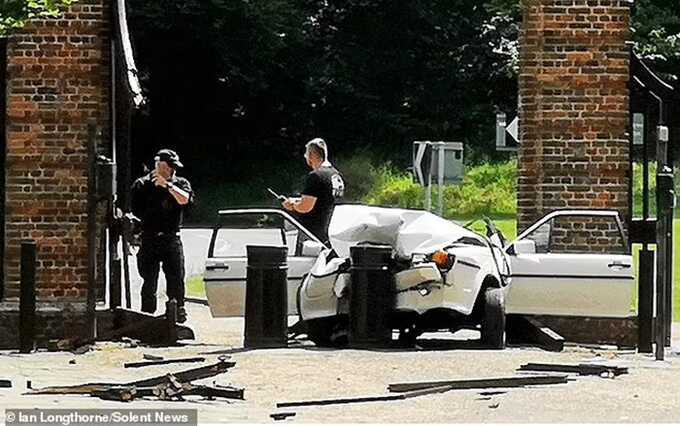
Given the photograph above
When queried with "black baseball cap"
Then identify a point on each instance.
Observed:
(170, 157)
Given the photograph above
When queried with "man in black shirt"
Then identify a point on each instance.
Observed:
(323, 185)
(159, 200)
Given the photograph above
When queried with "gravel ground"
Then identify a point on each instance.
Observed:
(650, 393)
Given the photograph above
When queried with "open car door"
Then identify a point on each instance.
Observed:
(225, 269)
(572, 263)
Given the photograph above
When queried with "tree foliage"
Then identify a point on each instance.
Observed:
(231, 80)
(15, 13)
(360, 73)
(656, 33)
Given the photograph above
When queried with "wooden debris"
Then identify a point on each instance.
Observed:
(183, 377)
(340, 401)
(580, 369)
(162, 362)
(282, 416)
(505, 382)
(382, 398)
(527, 330)
(150, 357)
(5, 383)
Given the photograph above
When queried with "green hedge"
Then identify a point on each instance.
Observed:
(489, 189)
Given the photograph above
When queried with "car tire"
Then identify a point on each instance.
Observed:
(493, 322)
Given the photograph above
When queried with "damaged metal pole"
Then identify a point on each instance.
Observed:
(91, 229)
(27, 297)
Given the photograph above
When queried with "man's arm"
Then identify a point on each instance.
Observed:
(304, 205)
(136, 199)
(307, 202)
(181, 191)
(181, 196)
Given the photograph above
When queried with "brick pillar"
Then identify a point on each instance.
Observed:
(573, 107)
(58, 80)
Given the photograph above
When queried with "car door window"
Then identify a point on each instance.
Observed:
(541, 237)
(232, 242)
(586, 235)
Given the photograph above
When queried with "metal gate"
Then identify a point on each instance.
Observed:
(654, 106)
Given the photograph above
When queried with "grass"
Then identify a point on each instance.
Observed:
(195, 287)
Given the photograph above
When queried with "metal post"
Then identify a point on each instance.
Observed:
(668, 323)
(91, 229)
(665, 201)
(27, 298)
(440, 176)
(645, 300)
(428, 194)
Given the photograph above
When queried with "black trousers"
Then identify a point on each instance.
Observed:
(168, 251)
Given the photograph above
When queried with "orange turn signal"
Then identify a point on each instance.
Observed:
(443, 259)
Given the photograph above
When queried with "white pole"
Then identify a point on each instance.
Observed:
(440, 177)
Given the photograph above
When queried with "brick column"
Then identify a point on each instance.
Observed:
(58, 80)
(573, 107)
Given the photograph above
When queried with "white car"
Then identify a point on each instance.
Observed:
(572, 263)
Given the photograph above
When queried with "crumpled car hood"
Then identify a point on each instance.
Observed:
(408, 232)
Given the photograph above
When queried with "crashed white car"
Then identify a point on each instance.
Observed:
(570, 263)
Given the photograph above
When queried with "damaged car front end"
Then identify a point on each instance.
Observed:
(443, 275)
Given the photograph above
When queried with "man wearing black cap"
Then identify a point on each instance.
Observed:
(322, 187)
(159, 200)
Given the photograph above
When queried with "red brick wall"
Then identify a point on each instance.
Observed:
(58, 80)
(573, 106)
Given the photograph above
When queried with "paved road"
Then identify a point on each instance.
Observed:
(195, 243)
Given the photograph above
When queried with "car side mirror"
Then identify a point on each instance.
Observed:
(312, 248)
(524, 247)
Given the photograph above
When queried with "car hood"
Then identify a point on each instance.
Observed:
(408, 232)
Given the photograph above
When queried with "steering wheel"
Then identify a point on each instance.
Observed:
(491, 230)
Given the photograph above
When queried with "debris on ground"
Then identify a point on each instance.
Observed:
(580, 369)
(186, 376)
(150, 357)
(527, 330)
(5, 383)
(282, 416)
(162, 362)
(421, 391)
(72, 361)
(504, 382)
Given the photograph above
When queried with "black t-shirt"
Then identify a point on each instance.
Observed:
(156, 207)
(326, 184)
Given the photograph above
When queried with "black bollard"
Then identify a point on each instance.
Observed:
(372, 296)
(27, 298)
(266, 313)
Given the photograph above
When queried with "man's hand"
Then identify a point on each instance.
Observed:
(158, 179)
(288, 204)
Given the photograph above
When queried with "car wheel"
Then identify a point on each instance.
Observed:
(493, 323)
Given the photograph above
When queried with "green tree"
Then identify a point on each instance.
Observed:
(15, 13)
(656, 33)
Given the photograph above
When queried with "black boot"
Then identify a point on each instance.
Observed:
(181, 315)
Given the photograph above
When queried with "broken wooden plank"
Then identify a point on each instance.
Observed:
(580, 369)
(162, 362)
(503, 382)
(522, 329)
(381, 398)
(340, 401)
(282, 416)
(150, 357)
(182, 376)
(189, 375)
